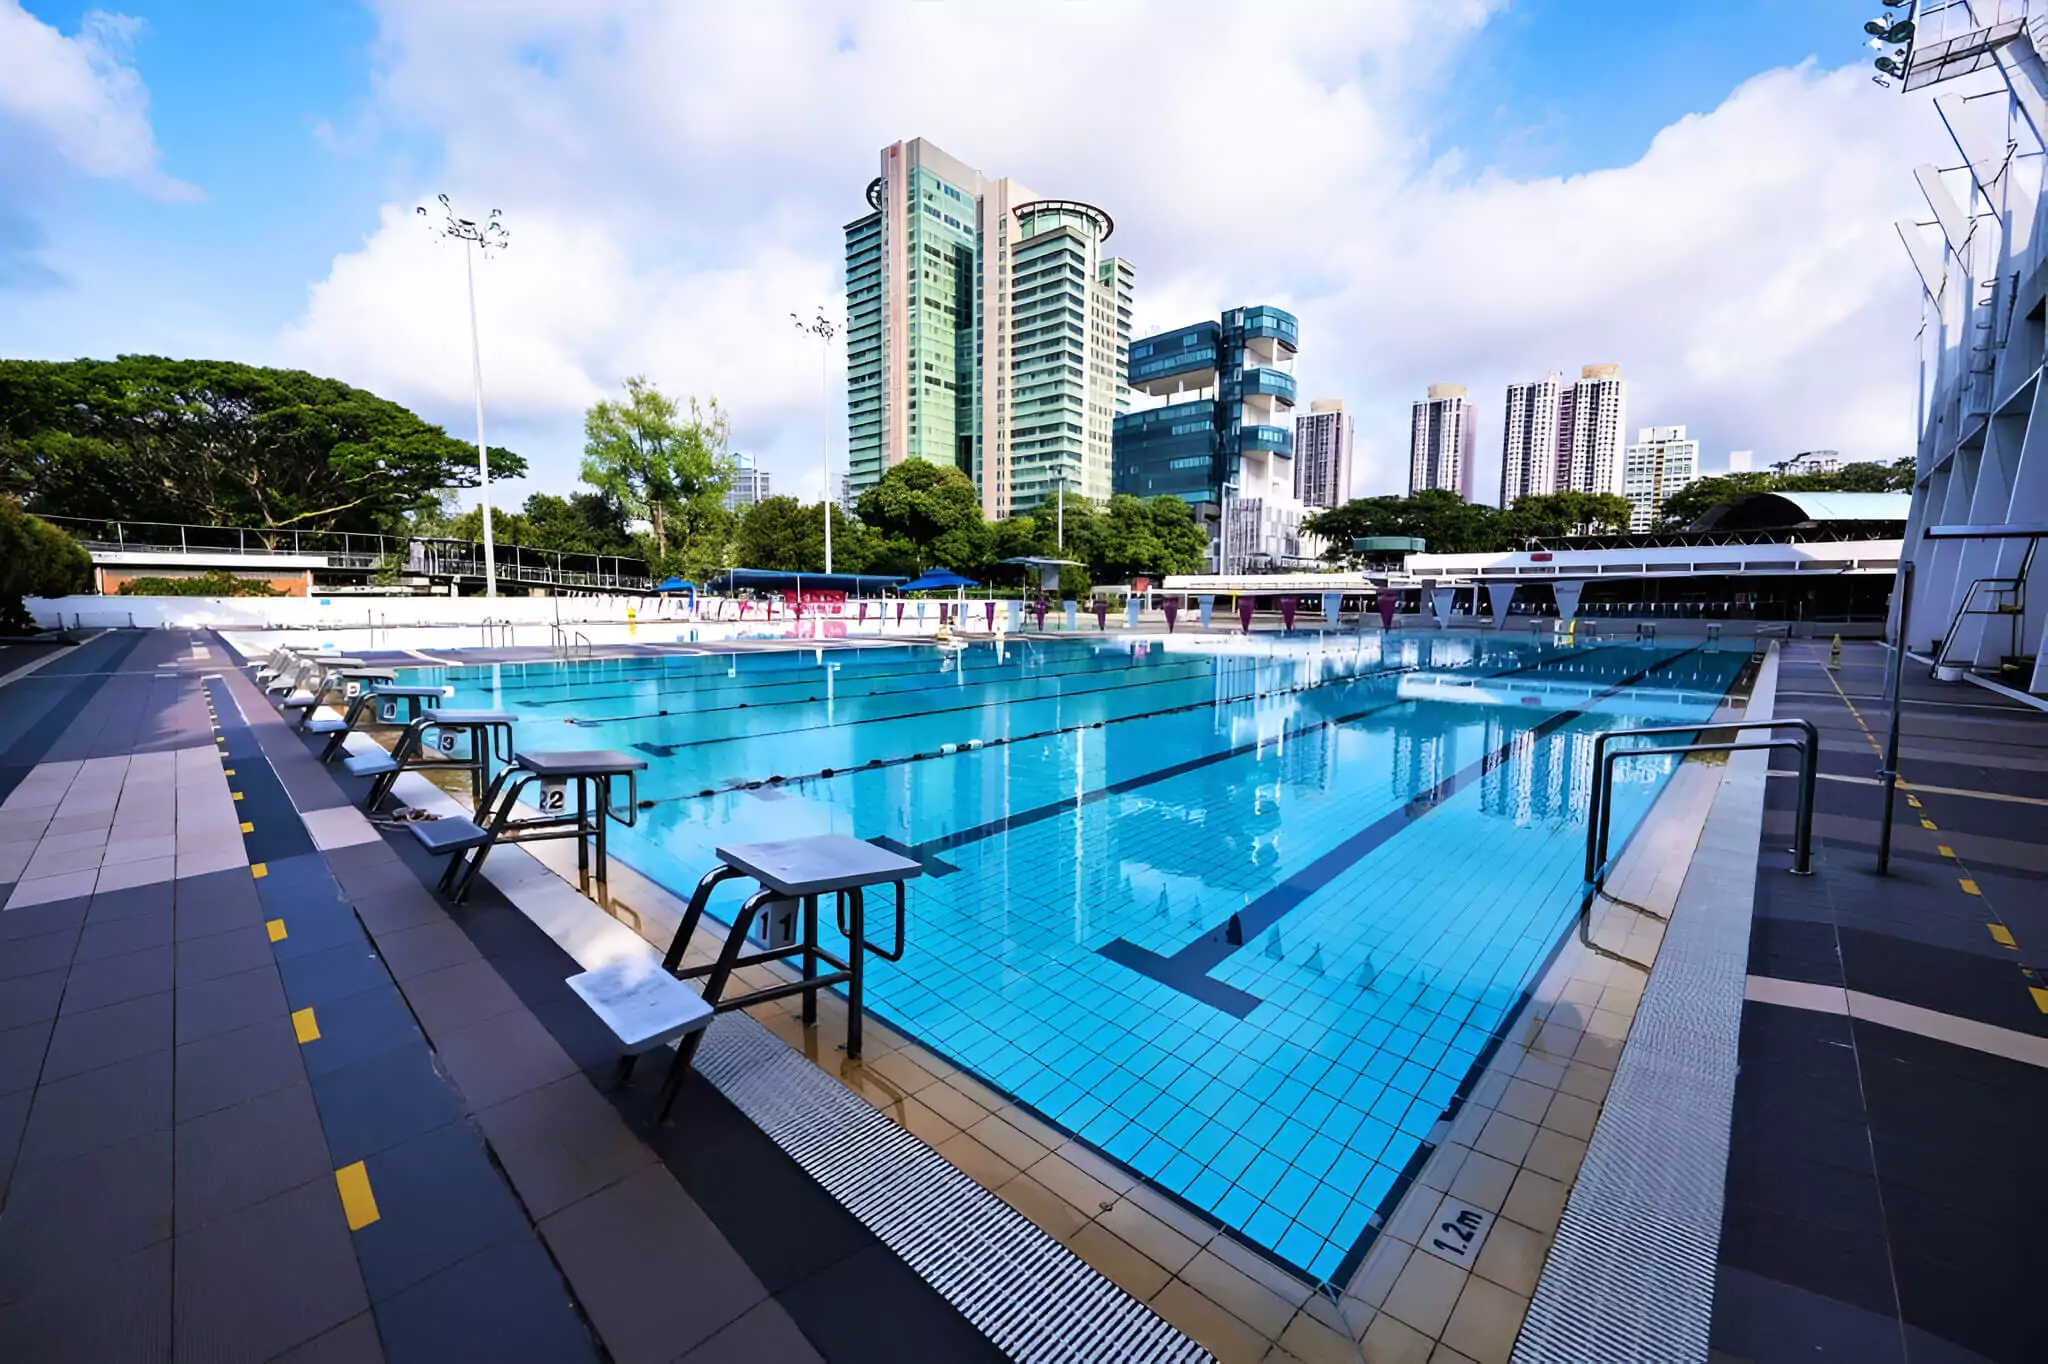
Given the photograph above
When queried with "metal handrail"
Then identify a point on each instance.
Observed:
(2015, 584)
(1600, 819)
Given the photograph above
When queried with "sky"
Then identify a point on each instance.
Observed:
(1463, 191)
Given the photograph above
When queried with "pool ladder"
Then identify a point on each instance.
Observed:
(1599, 821)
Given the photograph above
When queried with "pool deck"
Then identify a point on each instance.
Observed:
(263, 1096)
(1888, 1177)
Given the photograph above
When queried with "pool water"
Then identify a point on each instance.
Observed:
(1242, 913)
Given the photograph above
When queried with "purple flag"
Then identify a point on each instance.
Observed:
(1287, 613)
(1171, 606)
(1101, 614)
(1038, 607)
(1244, 613)
(863, 613)
(899, 613)
(1386, 604)
(991, 617)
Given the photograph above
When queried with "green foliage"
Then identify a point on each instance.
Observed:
(581, 523)
(220, 443)
(785, 534)
(1447, 523)
(657, 464)
(925, 515)
(36, 560)
(215, 582)
(1566, 513)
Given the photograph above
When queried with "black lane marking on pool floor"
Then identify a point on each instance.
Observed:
(932, 678)
(1193, 674)
(1036, 814)
(1187, 970)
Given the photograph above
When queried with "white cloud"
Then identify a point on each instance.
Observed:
(677, 177)
(79, 99)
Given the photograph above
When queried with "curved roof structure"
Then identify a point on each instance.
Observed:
(1763, 511)
(1102, 220)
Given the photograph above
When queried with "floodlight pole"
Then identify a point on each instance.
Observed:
(486, 236)
(824, 330)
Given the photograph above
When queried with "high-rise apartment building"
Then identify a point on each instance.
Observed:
(1528, 446)
(749, 485)
(1660, 462)
(1441, 442)
(1591, 419)
(1219, 440)
(1811, 462)
(1322, 454)
(986, 328)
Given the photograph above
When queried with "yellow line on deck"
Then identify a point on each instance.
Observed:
(306, 1026)
(275, 927)
(356, 1199)
(2040, 997)
(247, 827)
(2001, 935)
(1925, 822)
(259, 870)
(1969, 886)
(227, 771)
(1946, 850)
(237, 795)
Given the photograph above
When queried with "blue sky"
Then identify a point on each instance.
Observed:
(669, 214)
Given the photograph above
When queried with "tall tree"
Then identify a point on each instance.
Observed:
(36, 560)
(581, 523)
(214, 442)
(926, 516)
(785, 534)
(656, 462)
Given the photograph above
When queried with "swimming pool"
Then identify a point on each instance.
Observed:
(1242, 913)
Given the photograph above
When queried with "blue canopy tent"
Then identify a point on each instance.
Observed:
(678, 585)
(937, 580)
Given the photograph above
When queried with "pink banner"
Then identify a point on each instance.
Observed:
(1287, 613)
(1171, 606)
(1244, 613)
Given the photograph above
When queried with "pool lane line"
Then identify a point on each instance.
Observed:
(915, 714)
(1188, 968)
(1024, 818)
(973, 746)
(935, 682)
(955, 750)
(1112, 676)
(715, 680)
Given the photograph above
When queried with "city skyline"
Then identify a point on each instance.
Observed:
(681, 255)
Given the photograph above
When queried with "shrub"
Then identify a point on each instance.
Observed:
(36, 560)
(215, 582)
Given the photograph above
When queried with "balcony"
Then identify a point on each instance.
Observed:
(1277, 439)
(1274, 383)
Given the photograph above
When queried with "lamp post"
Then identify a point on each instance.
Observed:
(487, 236)
(824, 330)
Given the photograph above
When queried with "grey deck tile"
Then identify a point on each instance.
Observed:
(79, 1213)
(267, 1278)
(562, 1142)
(503, 1057)
(122, 936)
(97, 1109)
(120, 1310)
(92, 1038)
(222, 954)
(654, 1274)
(218, 1006)
(430, 947)
(244, 1154)
(31, 999)
(236, 1066)
(102, 981)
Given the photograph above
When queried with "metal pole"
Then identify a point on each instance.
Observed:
(824, 455)
(1902, 589)
(483, 461)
